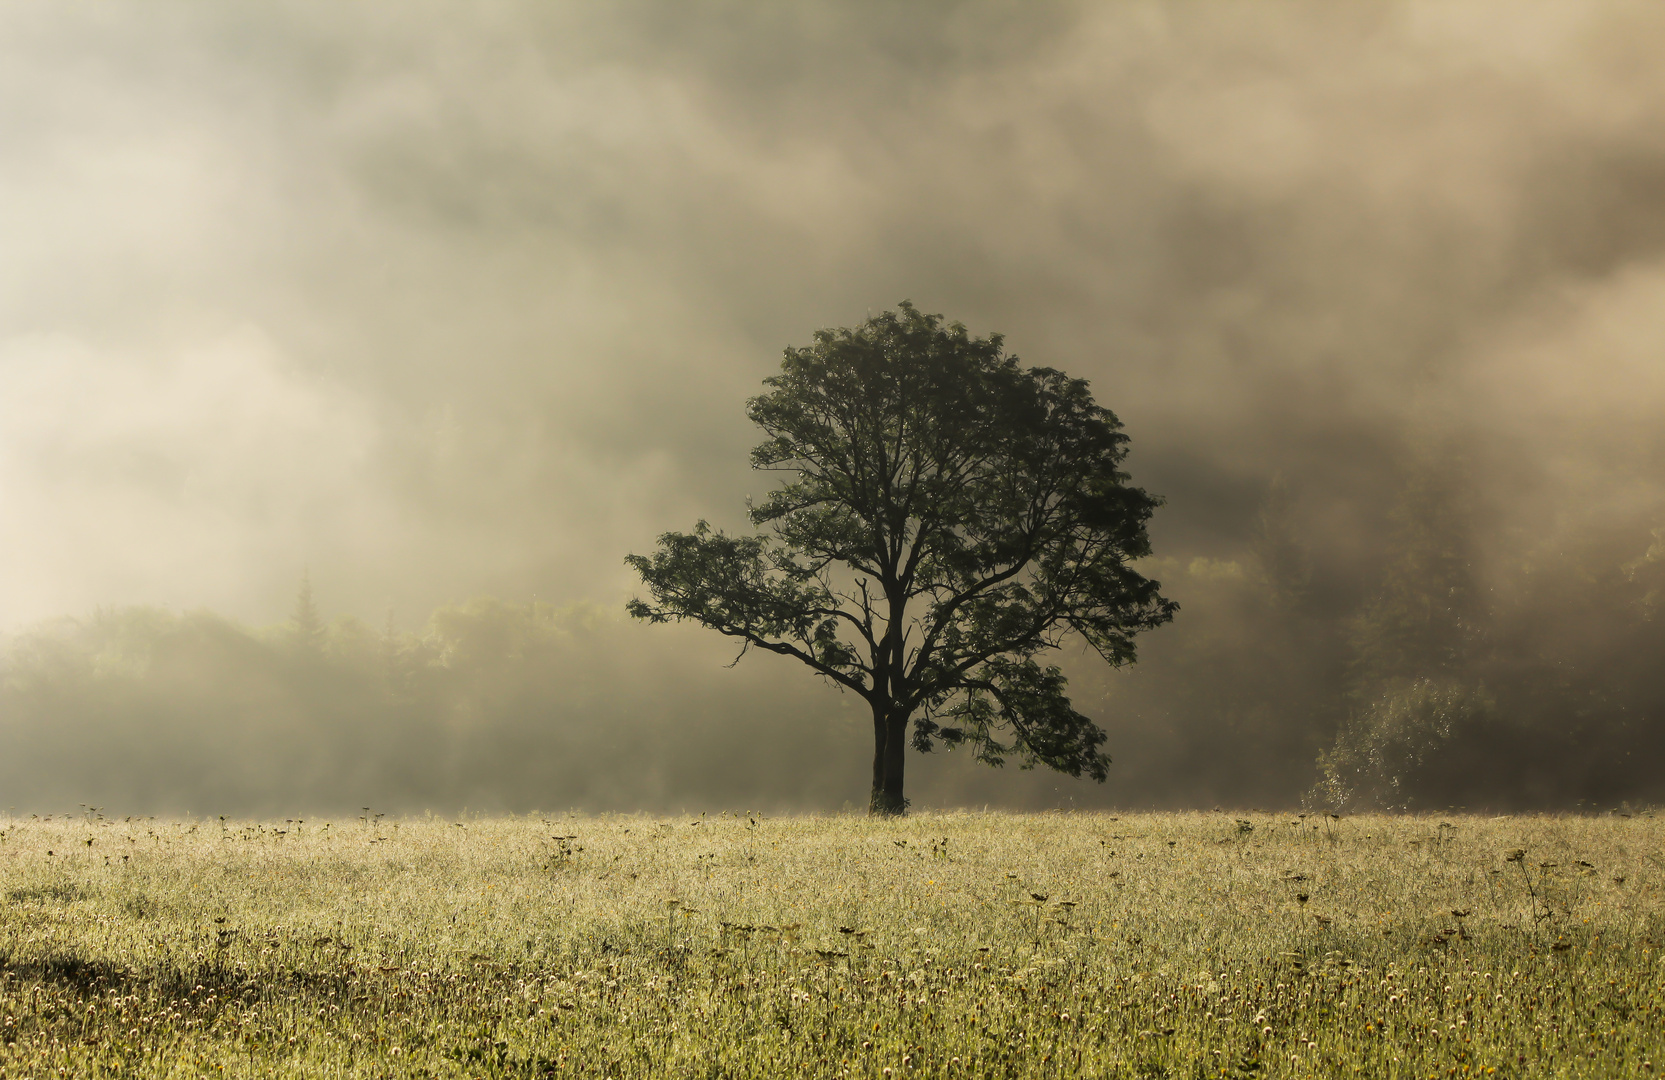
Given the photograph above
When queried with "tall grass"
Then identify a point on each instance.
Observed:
(1194, 945)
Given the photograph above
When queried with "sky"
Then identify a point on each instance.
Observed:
(437, 301)
(433, 302)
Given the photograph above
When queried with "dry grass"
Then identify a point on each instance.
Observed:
(940, 945)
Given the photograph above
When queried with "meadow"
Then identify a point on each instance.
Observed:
(937, 945)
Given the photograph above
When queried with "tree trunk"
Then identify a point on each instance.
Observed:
(890, 737)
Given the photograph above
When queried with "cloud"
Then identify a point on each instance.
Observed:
(552, 249)
(442, 301)
(216, 466)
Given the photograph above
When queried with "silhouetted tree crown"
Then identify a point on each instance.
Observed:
(948, 516)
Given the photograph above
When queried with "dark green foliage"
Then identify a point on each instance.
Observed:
(949, 516)
(1417, 646)
(1515, 685)
(1428, 619)
(1387, 746)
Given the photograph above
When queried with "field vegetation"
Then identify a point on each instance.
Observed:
(938, 945)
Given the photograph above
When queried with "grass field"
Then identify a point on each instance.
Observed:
(1191, 945)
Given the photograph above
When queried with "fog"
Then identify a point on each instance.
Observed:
(439, 304)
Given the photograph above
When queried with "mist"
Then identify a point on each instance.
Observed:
(442, 305)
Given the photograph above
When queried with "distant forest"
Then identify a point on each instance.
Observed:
(1457, 667)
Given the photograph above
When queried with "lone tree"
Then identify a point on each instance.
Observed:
(948, 517)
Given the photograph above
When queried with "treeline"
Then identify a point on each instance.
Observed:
(1455, 667)
(1500, 677)
(492, 706)
(1469, 665)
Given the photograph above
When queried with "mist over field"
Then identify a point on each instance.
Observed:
(450, 308)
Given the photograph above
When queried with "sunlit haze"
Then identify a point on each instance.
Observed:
(435, 303)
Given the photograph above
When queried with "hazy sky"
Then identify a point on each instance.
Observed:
(443, 299)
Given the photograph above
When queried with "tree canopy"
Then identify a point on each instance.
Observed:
(947, 518)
